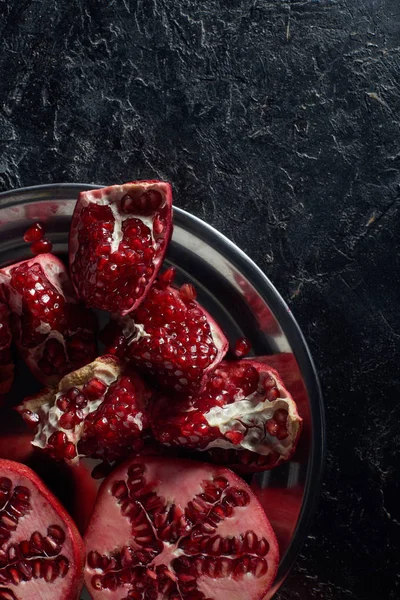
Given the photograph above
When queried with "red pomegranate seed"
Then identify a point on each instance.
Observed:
(167, 277)
(242, 347)
(34, 233)
(188, 292)
(234, 436)
(41, 246)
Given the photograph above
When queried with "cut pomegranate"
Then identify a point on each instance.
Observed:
(41, 551)
(245, 416)
(97, 411)
(171, 337)
(118, 239)
(178, 530)
(6, 362)
(53, 332)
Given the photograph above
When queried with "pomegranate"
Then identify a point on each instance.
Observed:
(118, 239)
(6, 362)
(178, 530)
(171, 337)
(97, 411)
(244, 417)
(41, 552)
(53, 332)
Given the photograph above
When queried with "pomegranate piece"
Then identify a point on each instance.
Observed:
(97, 411)
(171, 337)
(118, 239)
(6, 362)
(41, 551)
(245, 416)
(176, 529)
(53, 332)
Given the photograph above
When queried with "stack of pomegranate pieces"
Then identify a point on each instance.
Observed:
(162, 528)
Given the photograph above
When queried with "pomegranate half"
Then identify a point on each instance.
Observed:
(118, 239)
(178, 530)
(41, 552)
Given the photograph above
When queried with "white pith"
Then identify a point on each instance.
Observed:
(249, 416)
(50, 414)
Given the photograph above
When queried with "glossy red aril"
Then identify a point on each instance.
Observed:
(178, 530)
(41, 551)
(52, 330)
(244, 417)
(97, 411)
(118, 239)
(171, 337)
(41, 246)
(242, 347)
(34, 233)
(6, 362)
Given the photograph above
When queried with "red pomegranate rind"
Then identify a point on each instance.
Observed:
(177, 529)
(244, 416)
(171, 337)
(118, 239)
(97, 411)
(41, 552)
(53, 332)
(6, 362)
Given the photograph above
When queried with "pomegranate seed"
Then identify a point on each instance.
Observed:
(272, 427)
(236, 437)
(167, 278)
(188, 292)
(41, 246)
(280, 415)
(94, 389)
(242, 347)
(34, 233)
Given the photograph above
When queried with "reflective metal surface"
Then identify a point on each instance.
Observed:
(242, 299)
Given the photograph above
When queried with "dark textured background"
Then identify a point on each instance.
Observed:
(281, 113)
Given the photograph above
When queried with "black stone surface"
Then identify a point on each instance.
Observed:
(278, 122)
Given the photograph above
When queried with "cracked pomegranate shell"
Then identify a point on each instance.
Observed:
(54, 333)
(41, 552)
(245, 417)
(168, 529)
(99, 411)
(118, 239)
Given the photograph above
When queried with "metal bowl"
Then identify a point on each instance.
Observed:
(243, 300)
